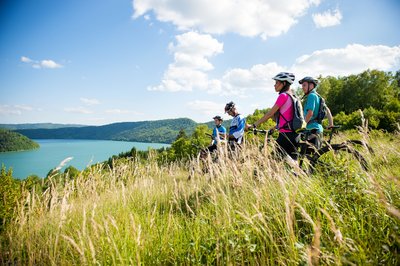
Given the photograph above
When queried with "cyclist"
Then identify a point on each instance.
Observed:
(311, 108)
(218, 135)
(236, 130)
(287, 139)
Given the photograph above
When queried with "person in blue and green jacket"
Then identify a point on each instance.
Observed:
(310, 108)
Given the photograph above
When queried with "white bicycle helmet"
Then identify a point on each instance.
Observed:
(285, 76)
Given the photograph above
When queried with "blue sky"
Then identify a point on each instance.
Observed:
(98, 62)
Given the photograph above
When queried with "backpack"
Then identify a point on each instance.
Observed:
(321, 111)
(298, 121)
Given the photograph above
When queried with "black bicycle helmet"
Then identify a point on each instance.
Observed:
(218, 117)
(285, 76)
(229, 106)
(309, 80)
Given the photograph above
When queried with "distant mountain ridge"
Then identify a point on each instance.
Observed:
(37, 126)
(160, 131)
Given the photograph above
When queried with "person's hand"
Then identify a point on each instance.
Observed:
(231, 137)
(331, 126)
(248, 126)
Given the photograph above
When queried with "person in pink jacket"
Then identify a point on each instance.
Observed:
(282, 111)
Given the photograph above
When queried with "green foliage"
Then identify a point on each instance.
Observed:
(72, 172)
(184, 147)
(375, 93)
(13, 141)
(9, 195)
(386, 120)
(371, 88)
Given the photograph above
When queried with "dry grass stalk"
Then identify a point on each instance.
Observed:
(314, 251)
(338, 235)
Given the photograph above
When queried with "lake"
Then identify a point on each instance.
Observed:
(53, 151)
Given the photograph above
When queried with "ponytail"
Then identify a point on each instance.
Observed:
(285, 88)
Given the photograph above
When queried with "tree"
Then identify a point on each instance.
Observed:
(181, 134)
(371, 88)
(9, 195)
(397, 78)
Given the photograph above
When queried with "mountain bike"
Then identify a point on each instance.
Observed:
(330, 155)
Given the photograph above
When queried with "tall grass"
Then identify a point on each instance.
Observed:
(254, 210)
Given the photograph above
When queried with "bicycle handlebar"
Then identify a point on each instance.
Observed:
(208, 134)
(262, 131)
(334, 127)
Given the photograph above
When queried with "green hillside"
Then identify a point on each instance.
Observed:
(13, 141)
(162, 131)
(37, 125)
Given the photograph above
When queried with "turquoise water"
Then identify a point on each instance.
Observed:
(53, 151)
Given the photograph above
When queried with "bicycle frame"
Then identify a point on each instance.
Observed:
(307, 151)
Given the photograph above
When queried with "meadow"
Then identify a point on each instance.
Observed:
(149, 213)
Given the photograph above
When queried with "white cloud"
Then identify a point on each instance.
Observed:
(206, 107)
(89, 102)
(352, 59)
(191, 61)
(78, 110)
(327, 19)
(245, 17)
(15, 109)
(40, 64)
(23, 107)
(121, 111)
(49, 64)
(26, 59)
(258, 77)
(9, 110)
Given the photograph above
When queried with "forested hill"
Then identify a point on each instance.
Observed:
(13, 141)
(37, 125)
(162, 131)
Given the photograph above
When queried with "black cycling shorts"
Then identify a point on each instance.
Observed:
(288, 143)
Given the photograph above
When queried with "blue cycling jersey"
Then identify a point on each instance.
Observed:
(237, 128)
(219, 131)
(312, 103)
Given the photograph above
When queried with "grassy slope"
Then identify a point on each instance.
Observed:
(152, 215)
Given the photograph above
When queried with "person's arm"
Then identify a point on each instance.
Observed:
(330, 117)
(214, 137)
(267, 116)
(223, 134)
(308, 116)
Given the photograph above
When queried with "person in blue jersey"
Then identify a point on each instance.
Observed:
(218, 135)
(311, 107)
(236, 130)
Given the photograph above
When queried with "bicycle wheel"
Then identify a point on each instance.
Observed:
(339, 156)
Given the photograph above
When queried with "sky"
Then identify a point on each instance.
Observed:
(96, 62)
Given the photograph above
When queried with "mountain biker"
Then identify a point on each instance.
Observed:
(218, 135)
(236, 130)
(311, 108)
(287, 139)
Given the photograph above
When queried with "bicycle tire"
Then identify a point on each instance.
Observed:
(317, 159)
